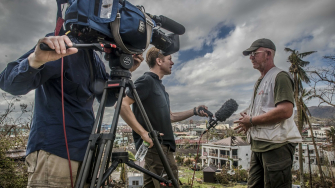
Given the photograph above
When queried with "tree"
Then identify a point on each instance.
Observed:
(299, 76)
(12, 173)
(305, 118)
(331, 135)
(323, 82)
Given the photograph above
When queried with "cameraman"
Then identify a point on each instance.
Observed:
(47, 158)
(156, 103)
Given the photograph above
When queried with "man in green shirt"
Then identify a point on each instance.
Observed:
(268, 121)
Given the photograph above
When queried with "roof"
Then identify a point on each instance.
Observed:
(231, 141)
(181, 141)
(210, 169)
(16, 154)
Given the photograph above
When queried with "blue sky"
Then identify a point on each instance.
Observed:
(209, 68)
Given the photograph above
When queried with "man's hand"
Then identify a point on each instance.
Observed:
(201, 112)
(138, 58)
(145, 136)
(243, 123)
(40, 57)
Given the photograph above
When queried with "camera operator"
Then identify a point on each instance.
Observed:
(47, 158)
(156, 103)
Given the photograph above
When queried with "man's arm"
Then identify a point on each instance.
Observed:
(23, 75)
(281, 112)
(180, 116)
(129, 117)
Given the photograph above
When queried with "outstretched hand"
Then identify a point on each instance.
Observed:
(40, 57)
(201, 113)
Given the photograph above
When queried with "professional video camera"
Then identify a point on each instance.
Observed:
(120, 22)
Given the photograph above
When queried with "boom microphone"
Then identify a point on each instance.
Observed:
(226, 110)
(168, 24)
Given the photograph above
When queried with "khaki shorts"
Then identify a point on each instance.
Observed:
(154, 164)
(48, 170)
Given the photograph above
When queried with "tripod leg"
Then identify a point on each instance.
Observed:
(154, 136)
(110, 170)
(85, 167)
(157, 177)
(109, 143)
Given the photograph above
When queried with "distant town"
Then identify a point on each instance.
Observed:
(221, 148)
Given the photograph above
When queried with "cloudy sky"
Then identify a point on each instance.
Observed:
(209, 68)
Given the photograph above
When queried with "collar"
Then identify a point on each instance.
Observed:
(153, 75)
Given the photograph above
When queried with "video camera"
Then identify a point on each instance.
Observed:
(121, 23)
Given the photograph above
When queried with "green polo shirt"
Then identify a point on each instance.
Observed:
(283, 91)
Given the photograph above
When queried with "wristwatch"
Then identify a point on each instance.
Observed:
(195, 111)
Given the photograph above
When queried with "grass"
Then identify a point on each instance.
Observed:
(186, 174)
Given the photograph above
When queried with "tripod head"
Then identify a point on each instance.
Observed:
(119, 61)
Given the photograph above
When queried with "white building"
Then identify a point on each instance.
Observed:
(222, 126)
(135, 181)
(323, 154)
(318, 133)
(229, 151)
(177, 127)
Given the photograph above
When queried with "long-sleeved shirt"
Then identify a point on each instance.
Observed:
(47, 132)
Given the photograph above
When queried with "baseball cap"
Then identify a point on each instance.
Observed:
(265, 43)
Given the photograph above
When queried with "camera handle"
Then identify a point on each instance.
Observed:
(99, 150)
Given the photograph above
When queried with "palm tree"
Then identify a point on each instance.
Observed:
(331, 138)
(299, 75)
(305, 118)
(331, 135)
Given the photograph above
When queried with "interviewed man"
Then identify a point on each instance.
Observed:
(268, 121)
(156, 103)
(47, 155)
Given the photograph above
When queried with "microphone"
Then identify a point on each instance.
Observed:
(168, 24)
(226, 110)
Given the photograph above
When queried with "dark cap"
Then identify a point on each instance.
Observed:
(265, 43)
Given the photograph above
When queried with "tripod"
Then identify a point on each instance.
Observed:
(96, 166)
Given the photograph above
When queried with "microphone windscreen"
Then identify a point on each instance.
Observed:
(226, 110)
(172, 25)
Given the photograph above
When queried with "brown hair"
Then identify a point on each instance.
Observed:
(152, 54)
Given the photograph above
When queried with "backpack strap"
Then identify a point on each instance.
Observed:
(115, 25)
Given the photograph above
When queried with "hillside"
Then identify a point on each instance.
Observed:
(322, 111)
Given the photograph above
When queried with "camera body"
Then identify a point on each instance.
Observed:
(121, 23)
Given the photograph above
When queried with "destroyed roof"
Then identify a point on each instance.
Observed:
(231, 141)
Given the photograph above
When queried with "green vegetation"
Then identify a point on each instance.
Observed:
(13, 173)
(186, 174)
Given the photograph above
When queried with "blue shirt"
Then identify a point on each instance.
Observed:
(47, 132)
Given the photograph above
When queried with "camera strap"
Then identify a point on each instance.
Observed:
(115, 27)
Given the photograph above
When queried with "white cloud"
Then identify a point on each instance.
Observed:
(219, 75)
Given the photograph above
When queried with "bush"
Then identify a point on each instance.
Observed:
(12, 173)
(224, 178)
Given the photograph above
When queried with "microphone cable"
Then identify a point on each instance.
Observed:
(63, 114)
(226, 110)
(196, 158)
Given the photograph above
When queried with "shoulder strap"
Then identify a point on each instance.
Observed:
(115, 27)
